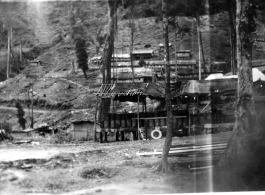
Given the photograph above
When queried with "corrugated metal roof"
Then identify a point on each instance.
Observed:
(143, 51)
(186, 62)
(179, 62)
(183, 51)
(135, 63)
(121, 55)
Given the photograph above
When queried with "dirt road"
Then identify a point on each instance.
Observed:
(93, 168)
(34, 110)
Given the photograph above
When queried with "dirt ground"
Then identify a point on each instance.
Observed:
(93, 168)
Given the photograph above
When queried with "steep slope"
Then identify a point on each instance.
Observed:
(61, 90)
(43, 32)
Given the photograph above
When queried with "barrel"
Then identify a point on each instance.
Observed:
(134, 122)
(106, 122)
(118, 121)
(123, 121)
(112, 123)
(128, 120)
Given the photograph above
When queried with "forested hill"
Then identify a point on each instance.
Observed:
(47, 31)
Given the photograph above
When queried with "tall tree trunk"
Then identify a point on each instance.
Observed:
(8, 57)
(175, 43)
(107, 55)
(73, 65)
(199, 44)
(131, 47)
(133, 29)
(232, 36)
(10, 49)
(20, 50)
(246, 118)
(32, 103)
(202, 51)
(84, 71)
(164, 167)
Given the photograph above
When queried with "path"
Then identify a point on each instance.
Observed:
(34, 110)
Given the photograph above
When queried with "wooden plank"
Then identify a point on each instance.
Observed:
(197, 147)
(198, 154)
(179, 151)
(189, 145)
(200, 168)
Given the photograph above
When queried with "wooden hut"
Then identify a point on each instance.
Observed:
(134, 122)
(82, 130)
(142, 54)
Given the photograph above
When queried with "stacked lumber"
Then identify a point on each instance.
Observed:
(196, 157)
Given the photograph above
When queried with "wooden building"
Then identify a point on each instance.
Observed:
(83, 130)
(219, 66)
(122, 57)
(211, 103)
(141, 122)
(183, 54)
(142, 54)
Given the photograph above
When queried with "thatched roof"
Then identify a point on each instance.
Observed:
(154, 90)
(121, 89)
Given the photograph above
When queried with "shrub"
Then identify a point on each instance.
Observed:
(62, 137)
(98, 172)
(6, 126)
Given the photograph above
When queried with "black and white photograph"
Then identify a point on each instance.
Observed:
(124, 97)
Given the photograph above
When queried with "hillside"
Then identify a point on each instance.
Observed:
(61, 89)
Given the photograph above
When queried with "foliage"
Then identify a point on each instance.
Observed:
(62, 137)
(98, 37)
(20, 114)
(248, 26)
(14, 15)
(81, 54)
(142, 62)
(98, 172)
(6, 126)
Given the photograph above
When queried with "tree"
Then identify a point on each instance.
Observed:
(109, 41)
(98, 39)
(179, 33)
(106, 59)
(81, 54)
(246, 118)
(192, 8)
(163, 167)
(231, 10)
(20, 114)
(133, 30)
(241, 168)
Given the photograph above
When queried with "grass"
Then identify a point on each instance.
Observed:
(98, 172)
(56, 180)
